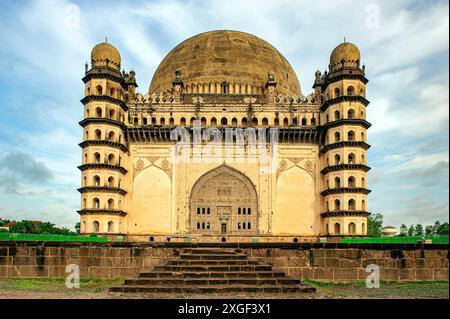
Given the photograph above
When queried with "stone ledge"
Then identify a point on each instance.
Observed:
(169, 245)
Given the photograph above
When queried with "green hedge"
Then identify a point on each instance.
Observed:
(42, 237)
(394, 240)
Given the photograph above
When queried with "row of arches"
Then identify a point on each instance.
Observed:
(224, 121)
(351, 228)
(349, 91)
(351, 137)
(96, 181)
(95, 204)
(101, 90)
(107, 159)
(223, 88)
(351, 159)
(351, 205)
(109, 136)
(351, 182)
(110, 113)
(110, 227)
(351, 114)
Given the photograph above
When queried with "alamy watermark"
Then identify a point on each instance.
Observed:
(373, 16)
(236, 145)
(373, 279)
(73, 279)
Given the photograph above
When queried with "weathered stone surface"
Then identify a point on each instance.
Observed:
(389, 274)
(407, 274)
(318, 262)
(436, 254)
(332, 262)
(440, 274)
(22, 251)
(323, 274)
(349, 274)
(3, 251)
(424, 274)
(353, 253)
(350, 263)
(375, 254)
(23, 260)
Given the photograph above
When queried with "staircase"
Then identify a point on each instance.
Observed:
(212, 270)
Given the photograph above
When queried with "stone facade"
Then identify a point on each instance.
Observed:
(312, 181)
(328, 262)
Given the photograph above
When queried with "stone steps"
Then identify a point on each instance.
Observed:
(210, 251)
(222, 262)
(212, 270)
(213, 257)
(213, 289)
(215, 267)
(207, 274)
(212, 281)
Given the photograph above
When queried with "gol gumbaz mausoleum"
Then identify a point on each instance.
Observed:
(217, 87)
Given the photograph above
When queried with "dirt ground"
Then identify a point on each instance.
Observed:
(98, 289)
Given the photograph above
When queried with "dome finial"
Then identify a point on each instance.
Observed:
(345, 39)
(106, 39)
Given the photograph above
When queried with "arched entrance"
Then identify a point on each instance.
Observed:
(224, 202)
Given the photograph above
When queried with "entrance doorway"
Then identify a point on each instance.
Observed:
(226, 200)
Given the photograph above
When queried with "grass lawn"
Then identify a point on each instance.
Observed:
(391, 290)
(43, 288)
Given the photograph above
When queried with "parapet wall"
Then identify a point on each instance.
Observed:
(327, 262)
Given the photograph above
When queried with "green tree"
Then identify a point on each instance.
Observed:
(77, 227)
(428, 230)
(4, 222)
(411, 230)
(443, 229)
(374, 225)
(47, 228)
(436, 226)
(418, 230)
(403, 230)
(24, 227)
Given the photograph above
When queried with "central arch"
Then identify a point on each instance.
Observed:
(224, 202)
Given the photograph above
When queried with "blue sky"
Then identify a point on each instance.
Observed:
(44, 45)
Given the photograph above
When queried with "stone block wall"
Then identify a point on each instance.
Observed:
(326, 262)
(409, 262)
(105, 261)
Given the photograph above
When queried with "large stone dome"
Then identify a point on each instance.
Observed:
(236, 58)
